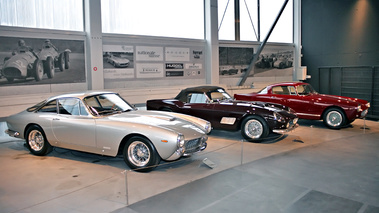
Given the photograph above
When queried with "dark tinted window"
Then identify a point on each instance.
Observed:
(49, 107)
(35, 107)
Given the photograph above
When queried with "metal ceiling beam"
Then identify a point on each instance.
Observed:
(256, 56)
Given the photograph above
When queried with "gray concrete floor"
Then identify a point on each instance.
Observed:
(312, 169)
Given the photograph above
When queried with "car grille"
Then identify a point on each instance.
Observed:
(11, 72)
(193, 145)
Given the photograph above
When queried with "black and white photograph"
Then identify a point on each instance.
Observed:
(189, 106)
(118, 62)
(31, 61)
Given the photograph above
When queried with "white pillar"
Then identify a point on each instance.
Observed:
(298, 70)
(212, 44)
(94, 45)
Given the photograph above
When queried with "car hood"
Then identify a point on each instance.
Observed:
(155, 119)
(20, 60)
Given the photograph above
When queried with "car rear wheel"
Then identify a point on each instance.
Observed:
(334, 118)
(66, 60)
(38, 70)
(49, 67)
(61, 62)
(140, 155)
(36, 141)
(254, 128)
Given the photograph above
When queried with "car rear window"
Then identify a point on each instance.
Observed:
(50, 107)
(35, 107)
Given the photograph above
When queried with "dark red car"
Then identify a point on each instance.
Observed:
(255, 119)
(335, 111)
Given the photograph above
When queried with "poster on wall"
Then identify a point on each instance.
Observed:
(149, 53)
(118, 61)
(273, 61)
(128, 62)
(150, 70)
(177, 54)
(33, 61)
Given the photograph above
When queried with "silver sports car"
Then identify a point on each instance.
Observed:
(105, 124)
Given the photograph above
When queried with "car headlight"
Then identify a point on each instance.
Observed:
(368, 105)
(208, 127)
(359, 108)
(278, 117)
(180, 141)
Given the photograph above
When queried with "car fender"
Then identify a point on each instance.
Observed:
(110, 138)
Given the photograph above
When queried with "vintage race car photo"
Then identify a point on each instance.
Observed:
(335, 111)
(104, 123)
(25, 63)
(255, 119)
(52, 58)
(118, 61)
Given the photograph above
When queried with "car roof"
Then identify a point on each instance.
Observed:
(202, 89)
(287, 84)
(79, 95)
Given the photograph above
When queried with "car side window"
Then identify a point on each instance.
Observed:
(216, 96)
(197, 98)
(71, 106)
(292, 90)
(281, 90)
(50, 107)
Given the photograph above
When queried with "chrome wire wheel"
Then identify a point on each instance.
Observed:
(138, 154)
(36, 140)
(334, 118)
(253, 129)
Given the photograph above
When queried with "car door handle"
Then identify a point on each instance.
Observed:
(56, 119)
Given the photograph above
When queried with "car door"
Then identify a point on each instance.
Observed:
(73, 126)
(293, 100)
(198, 105)
(277, 94)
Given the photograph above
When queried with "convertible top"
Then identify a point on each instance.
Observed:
(199, 89)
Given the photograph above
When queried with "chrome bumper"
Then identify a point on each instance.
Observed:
(180, 152)
(12, 133)
(282, 131)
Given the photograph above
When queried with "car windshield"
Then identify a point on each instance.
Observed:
(104, 104)
(220, 95)
(305, 89)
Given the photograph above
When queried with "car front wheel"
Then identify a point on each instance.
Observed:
(36, 141)
(49, 67)
(334, 118)
(254, 128)
(38, 70)
(140, 155)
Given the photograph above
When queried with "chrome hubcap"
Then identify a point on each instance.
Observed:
(253, 129)
(40, 70)
(36, 140)
(138, 153)
(334, 118)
